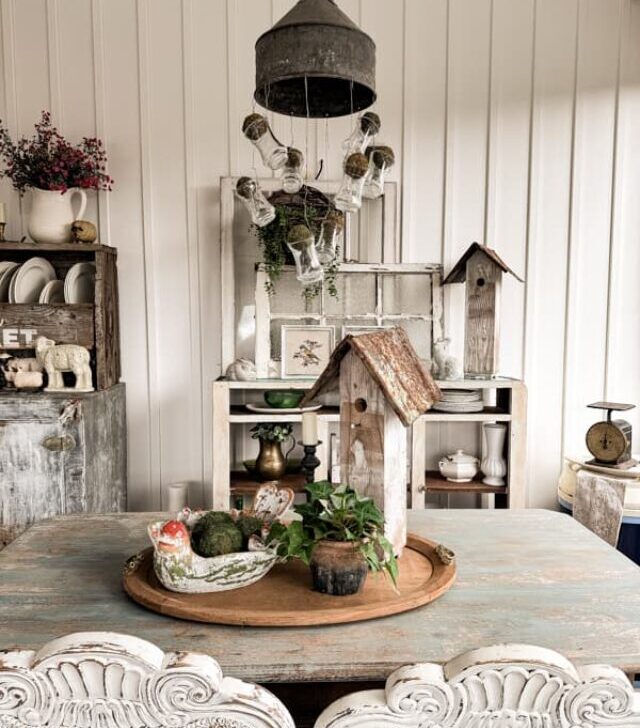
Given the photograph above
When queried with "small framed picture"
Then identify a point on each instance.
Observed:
(355, 329)
(306, 350)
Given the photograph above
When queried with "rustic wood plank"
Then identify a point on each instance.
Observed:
(481, 338)
(418, 463)
(13, 246)
(517, 447)
(64, 323)
(524, 576)
(435, 483)
(107, 324)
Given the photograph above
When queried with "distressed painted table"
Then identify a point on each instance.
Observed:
(523, 576)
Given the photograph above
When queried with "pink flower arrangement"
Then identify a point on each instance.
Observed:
(48, 161)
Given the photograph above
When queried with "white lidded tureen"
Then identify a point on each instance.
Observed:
(459, 467)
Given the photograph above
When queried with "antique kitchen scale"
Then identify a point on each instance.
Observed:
(609, 441)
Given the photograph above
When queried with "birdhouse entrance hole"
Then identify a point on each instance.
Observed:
(360, 405)
(480, 282)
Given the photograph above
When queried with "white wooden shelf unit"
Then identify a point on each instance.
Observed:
(510, 408)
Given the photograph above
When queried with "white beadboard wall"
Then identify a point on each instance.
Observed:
(518, 125)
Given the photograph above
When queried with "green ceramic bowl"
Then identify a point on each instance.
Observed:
(283, 399)
(294, 466)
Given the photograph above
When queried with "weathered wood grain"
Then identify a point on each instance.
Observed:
(481, 338)
(37, 480)
(107, 323)
(527, 576)
(64, 323)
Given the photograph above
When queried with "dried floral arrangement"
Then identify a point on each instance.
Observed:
(48, 161)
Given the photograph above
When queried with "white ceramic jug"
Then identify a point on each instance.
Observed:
(52, 215)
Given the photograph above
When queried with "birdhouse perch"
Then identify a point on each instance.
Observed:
(383, 389)
(481, 268)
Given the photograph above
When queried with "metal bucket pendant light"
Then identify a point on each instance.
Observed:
(315, 62)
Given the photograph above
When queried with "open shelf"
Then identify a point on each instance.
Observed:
(240, 414)
(243, 483)
(435, 483)
(489, 414)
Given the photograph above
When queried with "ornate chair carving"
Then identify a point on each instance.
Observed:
(510, 686)
(106, 680)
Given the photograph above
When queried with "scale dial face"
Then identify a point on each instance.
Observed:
(606, 442)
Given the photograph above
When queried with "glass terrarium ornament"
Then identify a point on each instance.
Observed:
(257, 130)
(381, 159)
(302, 245)
(349, 196)
(261, 210)
(292, 179)
(330, 236)
(367, 127)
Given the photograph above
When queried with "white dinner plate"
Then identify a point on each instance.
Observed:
(53, 292)
(80, 283)
(258, 409)
(7, 269)
(30, 279)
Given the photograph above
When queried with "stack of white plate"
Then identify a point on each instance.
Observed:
(460, 401)
(35, 281)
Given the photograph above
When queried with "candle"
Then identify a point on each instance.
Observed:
(309, 428)
(177, 497)
(3, 212)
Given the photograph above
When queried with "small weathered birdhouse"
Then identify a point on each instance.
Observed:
(481, 268)
(383, 389)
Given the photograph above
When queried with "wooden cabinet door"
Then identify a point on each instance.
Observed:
(32, 473)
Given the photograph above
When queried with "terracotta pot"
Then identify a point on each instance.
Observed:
(338, 568)
(271, 463)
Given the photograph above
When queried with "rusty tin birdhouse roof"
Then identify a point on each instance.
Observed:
(394, 365)
(459, 270)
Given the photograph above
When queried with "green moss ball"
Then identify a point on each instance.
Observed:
(249, 525)
(213, 536)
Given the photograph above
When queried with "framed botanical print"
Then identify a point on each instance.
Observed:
(306, 350)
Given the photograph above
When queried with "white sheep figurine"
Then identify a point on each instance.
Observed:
(58, 358)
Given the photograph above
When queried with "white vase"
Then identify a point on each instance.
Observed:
(494, 466)
(51, 214)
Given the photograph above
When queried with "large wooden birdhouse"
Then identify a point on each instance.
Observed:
(481, 268)
(383, 389)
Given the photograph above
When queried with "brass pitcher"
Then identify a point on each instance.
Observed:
(271, 463)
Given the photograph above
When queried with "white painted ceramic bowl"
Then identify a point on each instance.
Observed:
(180, 569)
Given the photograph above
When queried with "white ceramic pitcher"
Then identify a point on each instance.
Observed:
(52, 215)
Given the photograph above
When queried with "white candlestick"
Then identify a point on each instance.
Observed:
(3, 212)
(177, 497)
(309, 428)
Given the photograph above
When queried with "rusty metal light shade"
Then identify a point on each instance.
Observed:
(315, 61)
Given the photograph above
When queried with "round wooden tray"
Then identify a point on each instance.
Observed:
(284, 598)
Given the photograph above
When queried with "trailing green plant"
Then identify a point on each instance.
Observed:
(272, 432)
(337, 514)
(272, 242)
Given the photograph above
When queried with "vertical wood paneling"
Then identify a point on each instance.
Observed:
(126, 229)
(550, 205)
(623, 344)
(498, 140)
(467, 132)
(175, 349)
(208, 139)
(508, 170)
(594, 140)
(425, 111)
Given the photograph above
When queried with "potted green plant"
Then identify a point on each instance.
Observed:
(271, 463)
(340, 537)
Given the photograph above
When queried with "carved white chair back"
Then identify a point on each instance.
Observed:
(107, 680)
(508, 686)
